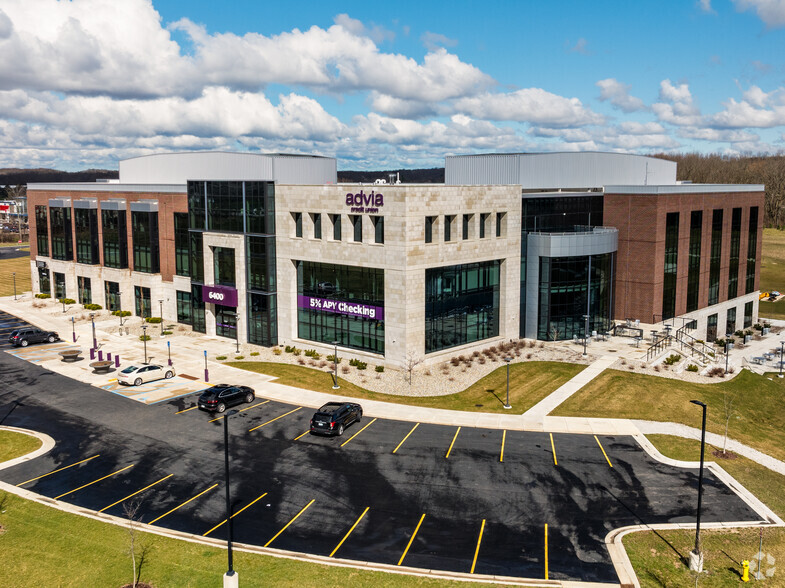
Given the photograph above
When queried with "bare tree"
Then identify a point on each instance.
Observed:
(412, 361)
(554, 332)
(17, 193)
(728, 400)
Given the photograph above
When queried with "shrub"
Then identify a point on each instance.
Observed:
(43, 295)
(692, 368)
(739, 333)
(220, 357)
(144, 337)
(379, 368)
(254, 353)
(672, 359)
(528, 356)
(295, 351)
(312, 353)
(332, 358)
(121, 313)
(757, 327)
(301, 361)
(153, 320)
(719, 342)
(93, 307)
(360, 365)
(288, 349)
(67, 301)
(455, 361)
(276, 351)
(716, 371)
(167, 332)
(322, 364)
(345, 369)
(239, 357)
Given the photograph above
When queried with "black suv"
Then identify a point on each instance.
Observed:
(334, 417)
(220, 397)
(29, 335)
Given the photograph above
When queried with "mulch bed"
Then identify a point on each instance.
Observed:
(727, 455)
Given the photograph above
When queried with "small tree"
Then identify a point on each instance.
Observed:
(554, 332)
(728, 399)
(412, 361)
(131, 512)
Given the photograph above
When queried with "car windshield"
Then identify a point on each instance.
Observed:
(14, 333)
(130, 369)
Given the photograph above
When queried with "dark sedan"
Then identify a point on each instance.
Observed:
(29, 335)
(220, 397)
(334, 417)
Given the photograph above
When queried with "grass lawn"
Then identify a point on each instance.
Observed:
(759, 419)
(659, 558)
(530, 382)
(45, 547)
(772, 272)
(13, 445)
(20, 265)
(15, 244)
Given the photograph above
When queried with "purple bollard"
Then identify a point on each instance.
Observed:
(100, 355)
(92, 353)
(116, 361)
(206, 375)
(108, 356)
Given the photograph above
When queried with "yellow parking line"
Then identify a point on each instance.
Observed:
(135, 493)
(358, 432)
(235, 514)
(411, 539)
(405, 438)
(303, 435)
(241, 410)
(93, 482)
(546, 551)
(453, 443)
(275, 419)
(187, 409)
(357, 522)
(290, 522)
(183, 504)
(477, 550)
(553, 448)
(57, 470)
(504, 437)
(603, 451)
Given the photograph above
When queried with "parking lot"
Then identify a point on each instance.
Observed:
(401, 493)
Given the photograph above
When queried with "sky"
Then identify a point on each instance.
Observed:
(86, 83)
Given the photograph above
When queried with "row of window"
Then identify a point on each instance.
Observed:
(355, 220)
(731, 322)
(472, 226)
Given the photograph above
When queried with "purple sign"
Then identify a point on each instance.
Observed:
(350, 308)
(362, 202)
(223, 295)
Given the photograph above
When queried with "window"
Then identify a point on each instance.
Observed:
(714, 261)
(466, 227)
(226, 321)
(730, 320)
(501, 224)
(260, 260)
(735, 245)
(197, 309)
(85, 293)
(44, 285)
(59, 285)
(260, 207)
(41, 231)
(747, 315)
(144, 231)
(483, 224)
(223, 266)
(429, 222)
(448, 220)
(182, 263)
(262, 319)
(752, 250)
(86, 223)
(115, 238)
(298, 224)
(224, 206)
(60, 229)
(711, 328)
(335, 219)
(316, 217)
(378, 229)
(671, 261)
(142, 304)
(197, 209)
(694, 259)
(196, 249)
(184, 307)
(112, 296)
(357, 227)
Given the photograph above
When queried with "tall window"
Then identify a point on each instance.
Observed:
(224, 206)
(730, 320)
(483, 223)
(197, 309)
(448, 220)
(223, 265)
(86, 224)
(59, 285)
(671, 262)
(182, 263)
(714, 261)
(467, 219)
(336, 221)
(84, 291)
(357, 227)
(115, 238)
(260, 260)
(694, 260)
(735, 245)
(44, 283)
(378, 229)
(184, 307)
(298, 224)
(317, 225)
(260, 207)
(501, 218)
(752, 250)
(142, 304)
(747, 315)
(262, 319)
(144, 227)
(429, 222)
(112, 296)
(60, 225)
(42, 231)
(711, 328)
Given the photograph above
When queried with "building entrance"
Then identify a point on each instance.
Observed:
(226, 321)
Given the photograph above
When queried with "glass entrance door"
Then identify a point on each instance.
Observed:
(226, 321)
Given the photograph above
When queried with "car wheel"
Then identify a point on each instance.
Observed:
(221, 407)
(24, 343)
(169, 374)
(249, 397)
(359, 416)
(51, 338)
(340, 429)
(138, 382)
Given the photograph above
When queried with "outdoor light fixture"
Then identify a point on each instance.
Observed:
(508, 360)
(73, 329)
(728, 347)
(14, 274)
(144, 340)
(335, 365)
(161, 303)
(696, 557)
(585, 332)
(231, 579)
(92, 320)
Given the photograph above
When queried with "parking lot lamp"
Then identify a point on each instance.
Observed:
(782, 349)
(237, 334)
(144, 340)
(92, 320)
(696, 557)
(169, 352)
(507, 404)
(206, 373)
(14, 274)
(73, 329)
(335, 365)
(231, 579)
(728, 347)
(585, 332)
(161, 306)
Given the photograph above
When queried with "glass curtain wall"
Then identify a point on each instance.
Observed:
(752, 250)
(694, 260)
(223, 266)
(42, 230)
(461, 304)
(714, 261)
(735, 246)
(144, 231)
(182, 263)
(86, 225)
(115, 238)
(61, 231)
(671, 261)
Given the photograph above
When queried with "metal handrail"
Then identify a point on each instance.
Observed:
(659, 346)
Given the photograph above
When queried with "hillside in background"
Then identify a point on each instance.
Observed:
(16, 176)
(408, 176)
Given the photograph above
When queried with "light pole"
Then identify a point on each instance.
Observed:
(169, 351)
(237, 334)
(728, 347)
(696, 557)
(335, 365)
(507, 404)
(73, 329)
(585, 332)
(231, 579)
(782, 349)
(92, 320)
(144, 340)
(161, 305)
(206, 373)
(14, 274)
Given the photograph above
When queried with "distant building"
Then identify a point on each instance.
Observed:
(269, 249)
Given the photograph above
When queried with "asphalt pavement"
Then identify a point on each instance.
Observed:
(439, 497)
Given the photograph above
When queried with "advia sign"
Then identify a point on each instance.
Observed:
(362, 202)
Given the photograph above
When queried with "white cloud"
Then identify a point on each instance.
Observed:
(433, 41)
(377, 33)
(676, 106)
(618, 94)
(705, 6)
(771, 12)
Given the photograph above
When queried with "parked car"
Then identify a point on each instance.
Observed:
(29, 335)
(136, 375)
(220, 397)
(334, 417)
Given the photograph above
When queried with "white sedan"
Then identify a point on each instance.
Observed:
(136, 375)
